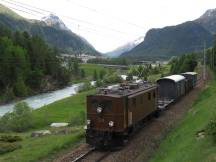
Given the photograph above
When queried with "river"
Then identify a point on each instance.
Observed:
(43, 99)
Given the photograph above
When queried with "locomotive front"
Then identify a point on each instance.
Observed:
(105, 120)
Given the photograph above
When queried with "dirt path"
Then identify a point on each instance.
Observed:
(143, 145)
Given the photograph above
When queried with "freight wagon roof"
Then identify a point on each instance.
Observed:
(126, 90)
(175, 78)
(190, 73)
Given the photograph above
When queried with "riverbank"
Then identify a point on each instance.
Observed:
(43, 99)
(37, 148)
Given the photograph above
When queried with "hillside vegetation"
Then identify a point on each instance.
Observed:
(28, 65)
(183, 143)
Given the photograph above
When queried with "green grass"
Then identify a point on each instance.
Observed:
(89, 71)
(35, 149)
(181, 144)
(61, 111)
(89, 68)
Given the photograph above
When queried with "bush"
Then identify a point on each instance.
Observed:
(211, 128)
(78, 119)
(99, 83)
(8, 147)
(9, 138)
(87, 86)
(21, 119)
(114, 78)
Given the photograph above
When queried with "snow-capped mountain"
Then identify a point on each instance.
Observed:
(124, 48)
(54, 21)
(208, 20)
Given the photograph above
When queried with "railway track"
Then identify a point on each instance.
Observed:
(92, 155)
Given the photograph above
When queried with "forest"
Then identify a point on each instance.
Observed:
(28, 65)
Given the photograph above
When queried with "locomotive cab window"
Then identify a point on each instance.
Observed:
(94, 103)
(106, 105)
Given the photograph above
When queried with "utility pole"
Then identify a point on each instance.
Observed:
(204, 62)
(213, 58)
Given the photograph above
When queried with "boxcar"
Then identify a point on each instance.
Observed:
(171, 87)
(191, 78)
(113, 114)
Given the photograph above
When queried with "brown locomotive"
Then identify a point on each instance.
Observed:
(113, 114)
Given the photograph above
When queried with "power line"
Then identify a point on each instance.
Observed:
(72, 23)
(22, 11)
(99, 12)
(25, 6)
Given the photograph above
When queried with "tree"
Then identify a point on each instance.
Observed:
(101, 74)
(21, 119)
(95, 75)
(75, 68)
(82, 73)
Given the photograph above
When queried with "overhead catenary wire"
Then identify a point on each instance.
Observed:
(108, 15)
(35, 9)
(71, 23)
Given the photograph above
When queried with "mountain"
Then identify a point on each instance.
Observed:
(125, 48)
(208, 20)
(51, 29)
(176, 40)
(54, 21)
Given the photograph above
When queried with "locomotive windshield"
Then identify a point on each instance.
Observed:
(106, 105)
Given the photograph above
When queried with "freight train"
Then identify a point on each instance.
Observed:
(115, 113)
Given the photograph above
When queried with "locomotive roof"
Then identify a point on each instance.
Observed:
(175, 78)
(126, 89)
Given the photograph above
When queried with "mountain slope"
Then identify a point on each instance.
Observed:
(179, 39)
(55, 35)
(125, 48)
(172, 41)
(208, 20)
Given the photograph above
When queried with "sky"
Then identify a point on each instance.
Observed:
(108, 24)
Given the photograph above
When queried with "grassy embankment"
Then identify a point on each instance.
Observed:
(34, 149)
(181, 144)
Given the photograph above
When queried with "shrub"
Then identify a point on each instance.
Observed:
(21, 119)
(78, 119)
(99, 83)
(113, 78)
(9, 138)
(8, 147)
(211, 128)
(87, 86)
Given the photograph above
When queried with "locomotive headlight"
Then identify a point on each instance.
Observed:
(88, 122)
(111, 123)
(99, 110)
